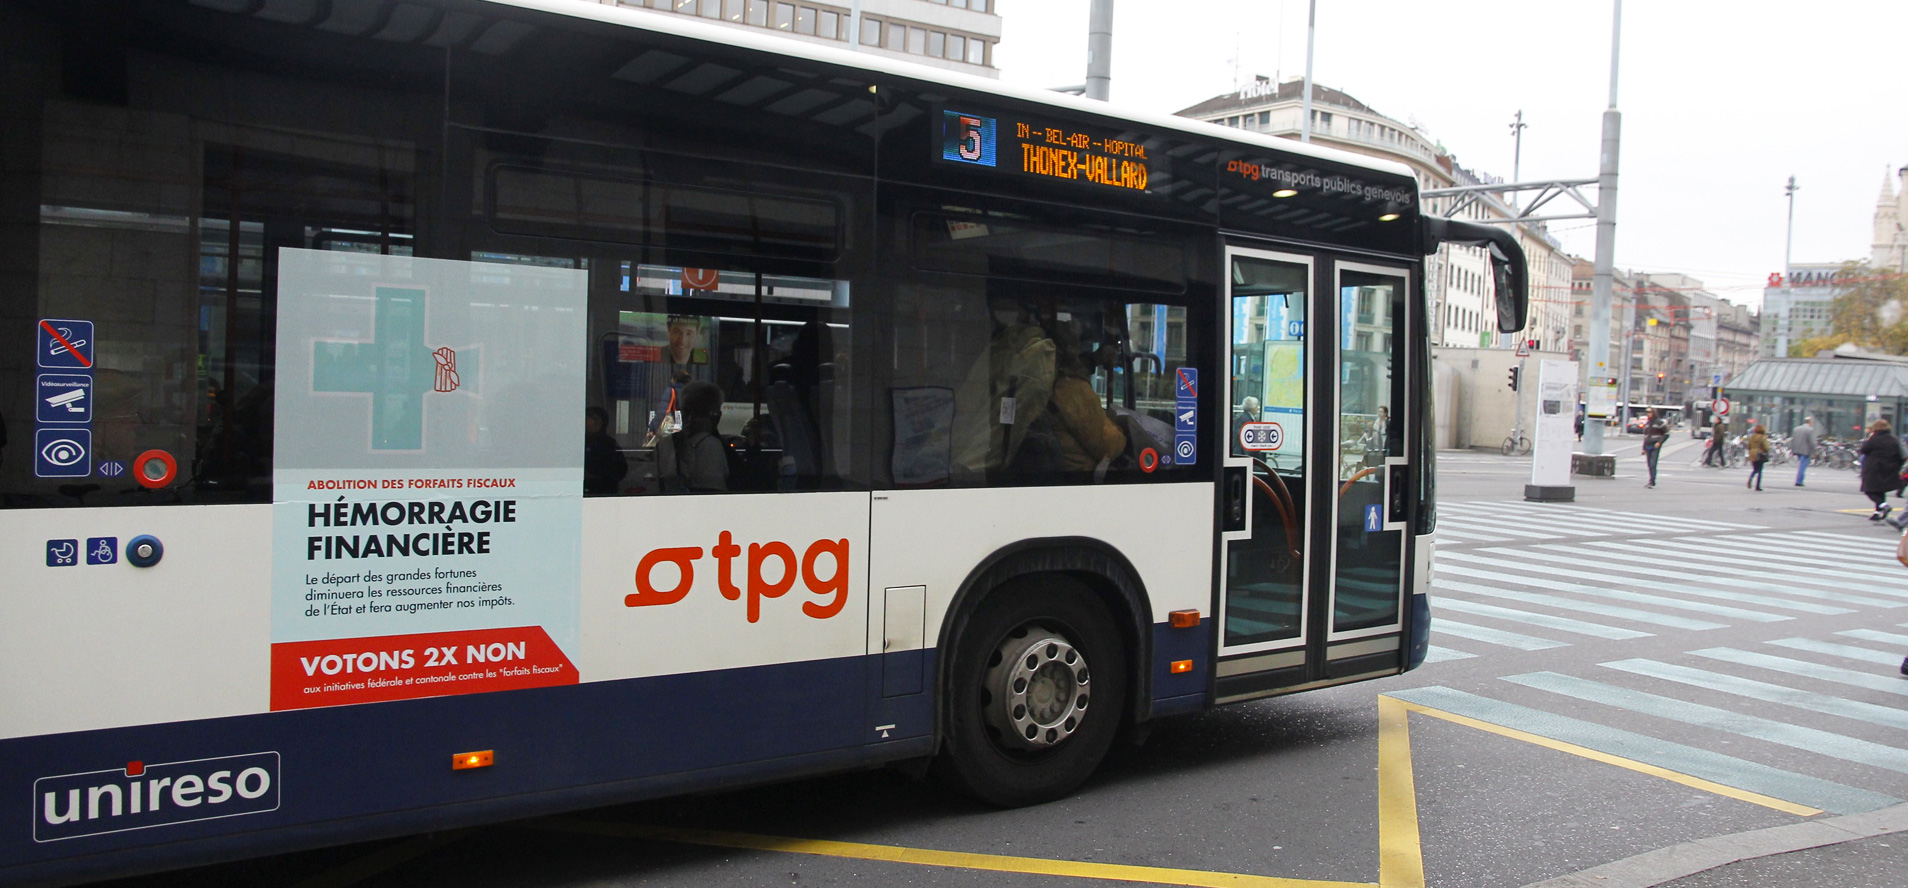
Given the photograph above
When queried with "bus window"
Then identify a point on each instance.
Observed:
(1009, 372)
(174, 270)
(717, 380)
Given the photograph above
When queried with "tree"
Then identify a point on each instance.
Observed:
(1870, 309)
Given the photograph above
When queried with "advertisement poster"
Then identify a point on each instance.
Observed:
(428, 477)
(1555, 430)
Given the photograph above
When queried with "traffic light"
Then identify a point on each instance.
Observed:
(1514, 372)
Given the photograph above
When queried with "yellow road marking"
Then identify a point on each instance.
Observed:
(927, 857)
(1400, 854)
(1720, 789)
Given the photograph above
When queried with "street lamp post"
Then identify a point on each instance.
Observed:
(1788, 241)
(1600, 294)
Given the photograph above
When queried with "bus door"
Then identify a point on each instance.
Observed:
(1314, 480)
(1266, 502)
(1371, 476)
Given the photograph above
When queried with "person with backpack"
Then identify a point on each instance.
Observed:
(1654, 434)
(1756, 446)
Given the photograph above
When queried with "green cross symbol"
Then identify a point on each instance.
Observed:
(395, 369)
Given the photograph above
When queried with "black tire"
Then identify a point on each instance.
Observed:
(977, 755)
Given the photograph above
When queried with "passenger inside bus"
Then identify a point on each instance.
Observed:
(1087, 438)
(694, 458)
(603, 464)
(1040, 402)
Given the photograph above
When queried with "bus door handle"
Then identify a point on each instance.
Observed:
(1235, 486)
(1397, 485)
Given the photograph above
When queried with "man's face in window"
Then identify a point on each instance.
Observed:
(682, 341)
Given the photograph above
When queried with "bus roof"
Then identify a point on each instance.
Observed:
(685, 26)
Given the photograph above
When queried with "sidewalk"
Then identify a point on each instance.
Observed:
(1858, 849)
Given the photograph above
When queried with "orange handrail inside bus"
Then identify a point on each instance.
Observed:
(1282, 499)
(1355, 476)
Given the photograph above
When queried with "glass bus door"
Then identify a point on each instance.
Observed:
(1313, 487)
(1371, 473)
(1266, 501)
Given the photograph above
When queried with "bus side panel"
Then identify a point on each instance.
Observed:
(355, 772)
(104, 645)
(694, 583)
(167, 667)
(1163, 530)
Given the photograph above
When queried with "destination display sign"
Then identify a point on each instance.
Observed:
(1046, 149)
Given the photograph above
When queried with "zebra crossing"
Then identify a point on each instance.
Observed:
(1535, 594)
(1528, 580)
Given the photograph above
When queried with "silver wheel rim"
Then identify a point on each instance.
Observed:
(1040, 688)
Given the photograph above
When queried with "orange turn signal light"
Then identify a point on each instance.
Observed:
(1181, 666)
(464, 761)
(1185, 619)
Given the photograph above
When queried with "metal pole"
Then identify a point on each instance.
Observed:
(1311, 30)
(1606, 237)
(1523, 382)
(1517, 154)
(1788, 241)
(1099, 79)
(854, 25)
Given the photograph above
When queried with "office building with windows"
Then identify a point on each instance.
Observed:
(958, 35)
(1798, 305)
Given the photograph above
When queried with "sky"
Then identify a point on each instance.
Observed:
(1721, 102)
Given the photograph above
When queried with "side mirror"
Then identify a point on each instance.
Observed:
(1508, 269)
(1513, 288)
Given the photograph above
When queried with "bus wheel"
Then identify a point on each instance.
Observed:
(1036, 692)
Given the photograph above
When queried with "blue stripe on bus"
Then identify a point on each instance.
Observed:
(352, 773)
(355, 761)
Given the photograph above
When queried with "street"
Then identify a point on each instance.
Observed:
(1629, 673)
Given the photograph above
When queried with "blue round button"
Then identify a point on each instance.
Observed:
(144, 550)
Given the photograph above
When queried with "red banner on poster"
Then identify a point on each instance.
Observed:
(336, 672)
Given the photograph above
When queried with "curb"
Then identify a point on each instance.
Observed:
(1676, 861)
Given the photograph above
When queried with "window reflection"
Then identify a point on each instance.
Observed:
(716, 380)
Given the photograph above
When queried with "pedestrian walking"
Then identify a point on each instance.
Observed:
(1715, 451)
(1756, 446)
(1802, 444)
(1903, 489)
(1901, 555)
(1654, 434)
(1881, 467)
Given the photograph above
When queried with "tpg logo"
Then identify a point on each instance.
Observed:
(139, 795)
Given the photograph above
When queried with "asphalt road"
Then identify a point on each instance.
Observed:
(1628, 682)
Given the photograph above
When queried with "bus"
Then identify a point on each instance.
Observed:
(446, 411)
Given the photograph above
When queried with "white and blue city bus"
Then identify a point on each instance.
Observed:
(433, 412)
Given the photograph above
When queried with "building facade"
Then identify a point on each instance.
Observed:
(958, 35)
(1797, 306)
(1671, 340)
(1737, 338)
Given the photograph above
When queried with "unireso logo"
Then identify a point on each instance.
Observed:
(141, 796)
